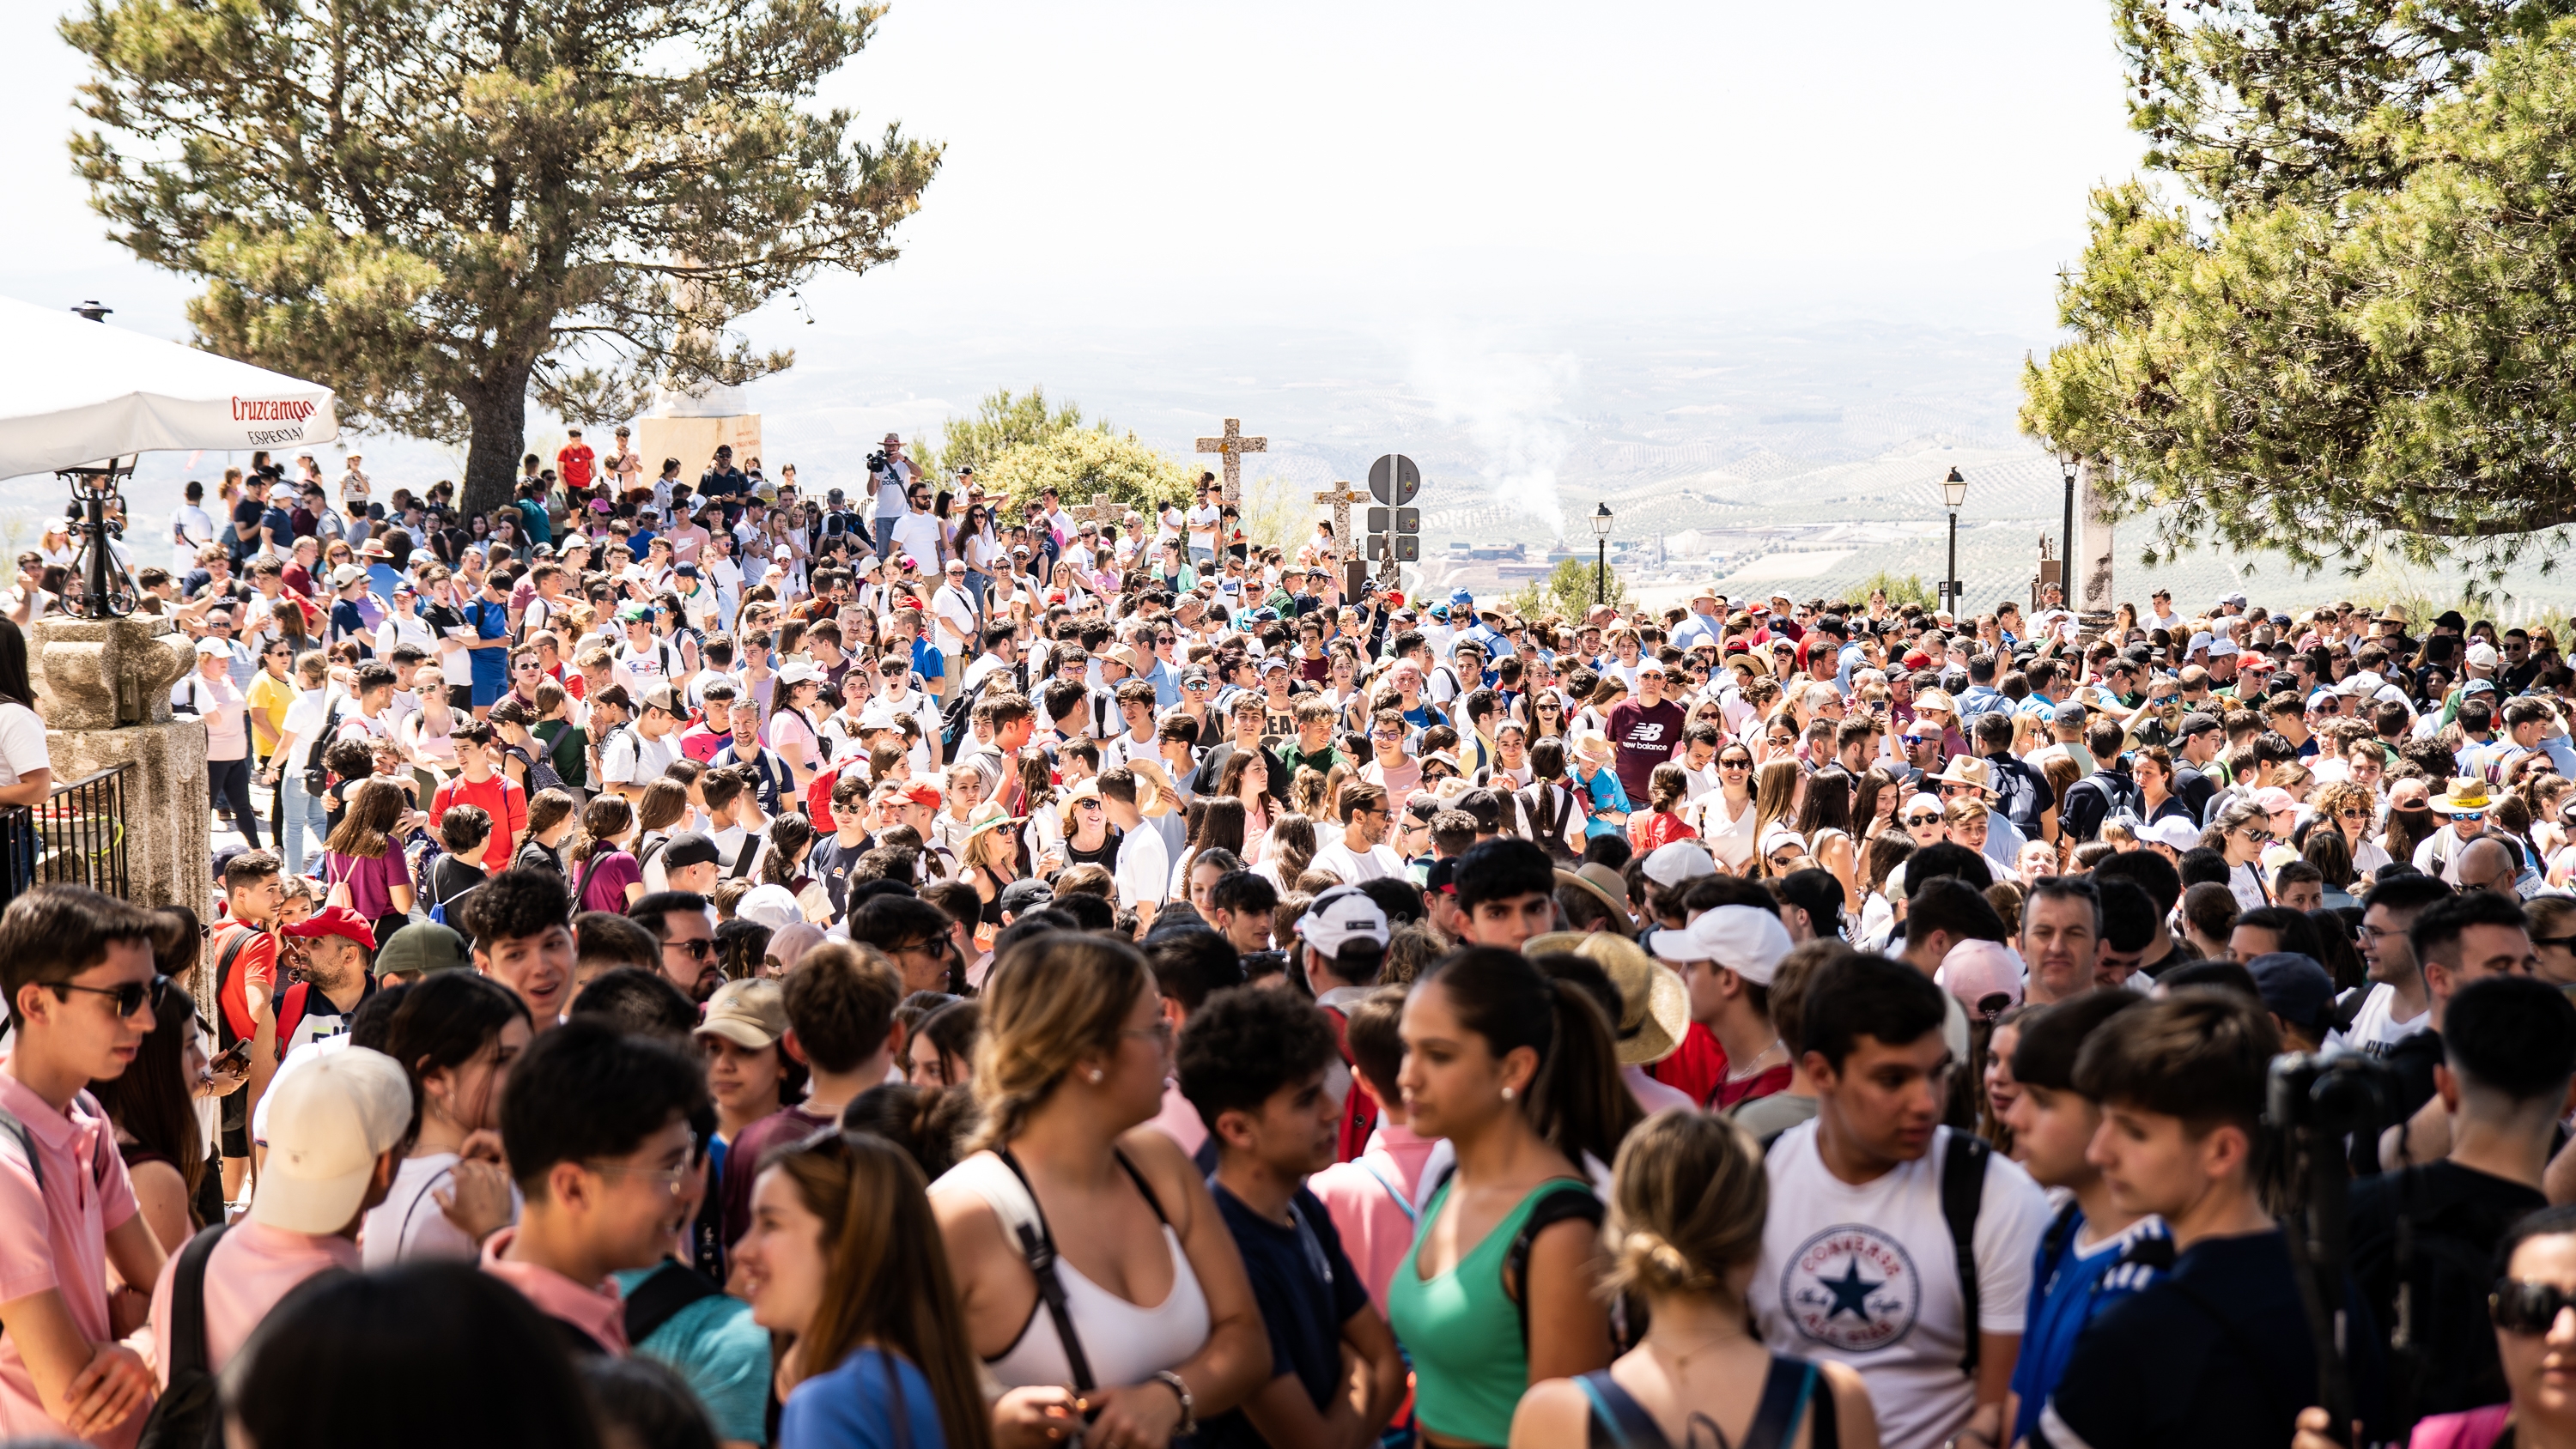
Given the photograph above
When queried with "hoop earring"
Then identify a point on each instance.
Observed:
(1508, 1094)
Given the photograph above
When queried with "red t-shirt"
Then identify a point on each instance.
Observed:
(500, 799)
(1696, 1067)
(1650, 833)
(573, 463)
(255, 961)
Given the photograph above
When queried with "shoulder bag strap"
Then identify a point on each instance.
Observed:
(582, 890)
(1618, 1420)
(18, 1133)
(1963, 1188)
(1411, 1214)
(188, 1302)
(1037, 1244)
(1784, 1400)
(742, 862)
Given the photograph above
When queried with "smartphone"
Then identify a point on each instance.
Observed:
(235, 1058)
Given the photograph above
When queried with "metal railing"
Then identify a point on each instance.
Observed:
(76, 837)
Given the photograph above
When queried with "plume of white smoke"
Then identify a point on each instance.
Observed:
(1513, 407)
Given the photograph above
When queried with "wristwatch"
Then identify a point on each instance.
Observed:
(1189, 1406)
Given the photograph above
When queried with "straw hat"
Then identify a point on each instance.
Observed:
(1965, 771)
(2467, 796)
(1654, 1003)
(1605, 886)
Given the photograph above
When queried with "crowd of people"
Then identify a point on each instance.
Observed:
(734, 966)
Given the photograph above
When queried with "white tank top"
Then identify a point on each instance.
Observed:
(1126, 1343)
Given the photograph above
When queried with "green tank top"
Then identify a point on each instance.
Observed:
(1463, 1331)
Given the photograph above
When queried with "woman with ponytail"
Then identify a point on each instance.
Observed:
(606, 877)
(1519, 1073)
(844, 1259)
(1685, 1234)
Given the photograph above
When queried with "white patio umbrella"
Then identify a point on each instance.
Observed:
(75, 392)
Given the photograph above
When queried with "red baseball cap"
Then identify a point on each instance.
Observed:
(923, 795)
(335, 921)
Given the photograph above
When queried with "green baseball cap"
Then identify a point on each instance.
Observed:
(421, 948)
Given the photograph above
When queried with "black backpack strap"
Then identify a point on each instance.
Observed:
(581, 889)
(1963, 1190)
(1618, 1420)
(742, 862)
(658, 1299)
(1037, 1244)
(18, 1133)
(188, 1302)
(1785, 1392)
(1560, 1204)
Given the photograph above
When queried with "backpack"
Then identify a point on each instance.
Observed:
(190, 1411)
(1547, 826)
(542, 774)
(434, 900)
(960, 713)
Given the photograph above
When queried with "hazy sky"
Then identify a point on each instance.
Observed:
(1134, 166)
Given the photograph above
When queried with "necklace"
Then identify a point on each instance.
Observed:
(1753, 1068)
(1681, 1360)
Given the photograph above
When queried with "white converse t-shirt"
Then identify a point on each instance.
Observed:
(1867, 1275)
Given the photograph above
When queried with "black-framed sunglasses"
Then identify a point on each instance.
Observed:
(2531, 1308)
(698, 950)
(129, 998)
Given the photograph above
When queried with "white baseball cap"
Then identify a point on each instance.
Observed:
(1744, 939)
(1340, 916)
(1678, 863)
(327, 1125)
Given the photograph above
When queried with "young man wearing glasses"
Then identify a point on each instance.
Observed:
(79, 971)
(607, 1187)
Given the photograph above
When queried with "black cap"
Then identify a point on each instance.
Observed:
(2194, 723)
(690, 848)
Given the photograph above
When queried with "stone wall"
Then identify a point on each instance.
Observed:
(103, 686)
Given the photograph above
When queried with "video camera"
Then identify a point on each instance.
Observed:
(2313, 1102)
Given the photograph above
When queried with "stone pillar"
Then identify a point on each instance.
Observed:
(103, 686)
(2089, 592)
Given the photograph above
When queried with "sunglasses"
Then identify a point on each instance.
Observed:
(698, 950)
(1922, 819)
(2531, 1308)
(129, 998)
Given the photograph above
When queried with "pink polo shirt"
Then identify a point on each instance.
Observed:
(1179, 1120)
(253, 1267)
(1371, 1200)
(58, 1240)
(599, 1312)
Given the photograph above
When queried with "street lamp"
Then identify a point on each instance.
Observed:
(1954, 492)
(1601, 566)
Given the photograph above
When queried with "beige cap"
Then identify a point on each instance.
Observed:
(328, 1122)
(750, 1014)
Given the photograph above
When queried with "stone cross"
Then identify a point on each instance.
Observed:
(1233, 446)
(1342, 496)
(1102, 509)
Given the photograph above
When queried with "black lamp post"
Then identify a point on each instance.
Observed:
(1601, 565)
(1954, 492)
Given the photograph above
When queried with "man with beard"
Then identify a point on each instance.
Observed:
(679, 920)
